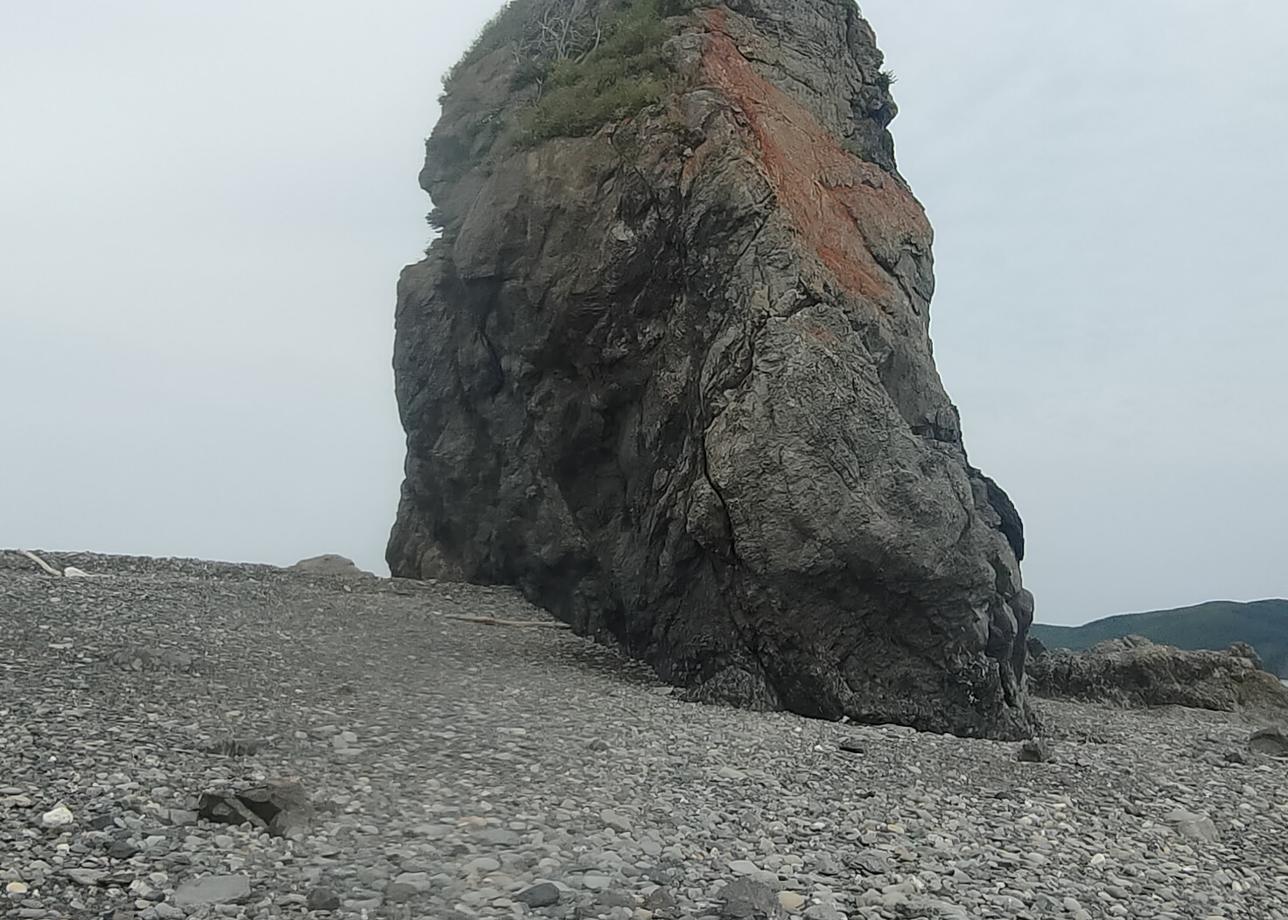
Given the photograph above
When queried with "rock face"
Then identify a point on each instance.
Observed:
(675, 381)
(1136, 672)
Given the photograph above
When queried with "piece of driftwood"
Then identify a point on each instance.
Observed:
(72, 572)
(493, 621)
(49, 569)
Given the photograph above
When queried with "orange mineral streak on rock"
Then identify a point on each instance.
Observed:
(841, 206)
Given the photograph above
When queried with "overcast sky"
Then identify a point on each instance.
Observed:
(204, 208)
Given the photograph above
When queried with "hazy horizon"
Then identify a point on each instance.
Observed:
(204, 211)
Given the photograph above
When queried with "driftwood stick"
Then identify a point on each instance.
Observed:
(493, 621)
(49, 569)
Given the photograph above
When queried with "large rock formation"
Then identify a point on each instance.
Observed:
(675, 380)
(1133, 671)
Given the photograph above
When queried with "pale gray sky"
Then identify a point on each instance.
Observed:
(204, 209)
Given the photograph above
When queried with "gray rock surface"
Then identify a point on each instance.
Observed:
(1195, 827)
(278, 806)
(214, 889)
(545, 894)
(748, 900)
(1269, 741)
(675, 381)
(1136, 672)
(322, 899)
(330, 565)
(463, 730)
(1034, 750)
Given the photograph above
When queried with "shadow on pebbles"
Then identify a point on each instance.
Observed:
(427, 767)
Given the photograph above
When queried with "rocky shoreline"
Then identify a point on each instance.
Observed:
(673, 376)
(457, 769)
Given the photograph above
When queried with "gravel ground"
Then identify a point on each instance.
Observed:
(469, 770)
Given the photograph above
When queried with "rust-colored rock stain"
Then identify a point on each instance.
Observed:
(837, 202)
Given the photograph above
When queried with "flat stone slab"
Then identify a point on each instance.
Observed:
(214, 889)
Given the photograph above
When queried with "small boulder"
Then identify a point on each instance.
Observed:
(1196, 827)
(400, 893)
(498, 837)
(331, 566)
(183, 817)
(869, 862)
(1269, 741)
(214, 889)
(826, 864)
(322, 899)
(279, 806)
(545, 894)
(792, 901)
(86, 877)
(59, 816)
(661, 899)
(122, 849)
(616, 821)
(744, 899)
(1034, 750)
(417, 882)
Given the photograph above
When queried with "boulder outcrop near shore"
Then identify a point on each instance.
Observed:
(672, 376)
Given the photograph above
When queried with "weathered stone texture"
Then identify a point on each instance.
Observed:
(1135, 672)
(675, 380)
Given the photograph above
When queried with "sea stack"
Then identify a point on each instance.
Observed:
(667, 367)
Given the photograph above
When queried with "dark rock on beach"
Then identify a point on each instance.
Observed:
(1136, 672)
(675, 381)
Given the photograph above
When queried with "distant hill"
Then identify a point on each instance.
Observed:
(1215, 625)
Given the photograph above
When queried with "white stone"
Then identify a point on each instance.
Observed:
(60, 816)
(791, 900)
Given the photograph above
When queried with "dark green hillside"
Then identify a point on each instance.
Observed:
(1215, 625)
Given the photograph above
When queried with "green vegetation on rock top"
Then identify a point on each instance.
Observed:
(589, 69)
(1215, 625)
(624, 74)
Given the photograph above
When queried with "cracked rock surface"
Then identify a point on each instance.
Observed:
(675, 382)
(463, 770)
(1133, 671)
